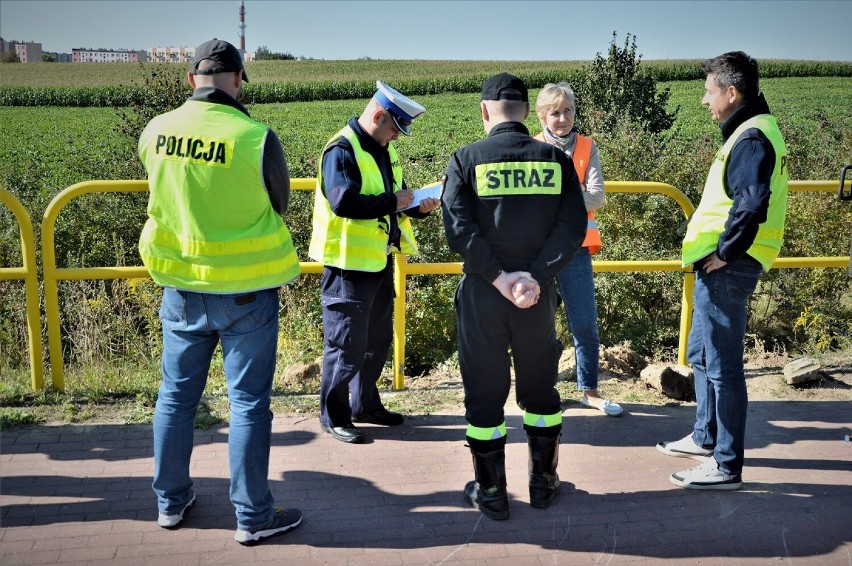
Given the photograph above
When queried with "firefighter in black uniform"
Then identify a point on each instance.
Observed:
(513, 208)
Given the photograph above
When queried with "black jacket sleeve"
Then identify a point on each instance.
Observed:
(342, 186)
(747, 181)
(463, 234)
(276, 175)
(568, 232)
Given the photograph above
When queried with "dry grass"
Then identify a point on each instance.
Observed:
(439, 392)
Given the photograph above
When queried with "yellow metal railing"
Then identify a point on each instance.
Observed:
(404, 268)
(780, 263)
(29, 274)
(52, 275)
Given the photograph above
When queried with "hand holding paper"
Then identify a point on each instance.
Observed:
(424, 194)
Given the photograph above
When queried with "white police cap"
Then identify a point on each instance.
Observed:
(402, 109)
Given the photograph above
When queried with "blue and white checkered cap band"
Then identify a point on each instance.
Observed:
(389, 105)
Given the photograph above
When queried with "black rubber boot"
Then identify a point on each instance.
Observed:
(544, 481)
(488, 491)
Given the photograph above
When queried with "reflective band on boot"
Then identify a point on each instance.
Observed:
(541, 421)
(490, 433)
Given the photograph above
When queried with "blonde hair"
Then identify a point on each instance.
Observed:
(552, 95)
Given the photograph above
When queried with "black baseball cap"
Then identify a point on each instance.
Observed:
(504, 86)
(226, 55)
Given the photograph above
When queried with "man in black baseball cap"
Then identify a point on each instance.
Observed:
(218, 185)
(513, 209)
(225, 58)
(504, 87)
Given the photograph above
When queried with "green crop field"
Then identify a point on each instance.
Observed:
(68, 145)
(44, 149)
(100, 74)
(117, 74)
(98, 84)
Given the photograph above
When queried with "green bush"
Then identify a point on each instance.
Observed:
(163, 89)
(618, 89)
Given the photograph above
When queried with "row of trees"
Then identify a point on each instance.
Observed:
(12, 57)
(264, 54)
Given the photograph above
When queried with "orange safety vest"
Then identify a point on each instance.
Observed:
(582, 154)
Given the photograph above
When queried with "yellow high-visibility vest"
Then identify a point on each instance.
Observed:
(708, 221)
(211, 226)
(357, 244)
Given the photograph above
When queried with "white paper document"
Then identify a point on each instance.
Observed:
(429, 191)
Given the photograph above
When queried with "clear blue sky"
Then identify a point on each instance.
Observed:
(477, 30)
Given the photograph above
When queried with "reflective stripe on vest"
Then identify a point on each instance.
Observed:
(518, 178)
(211, 226)
(491, 433)
(582, 154)
(357, 244)
(542, 421)
(708, 222)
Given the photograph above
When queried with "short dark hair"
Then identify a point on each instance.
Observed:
(514, 110)
(737, 69)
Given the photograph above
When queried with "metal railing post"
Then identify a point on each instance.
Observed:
(29, 273)
(685, 316)
(400, 264)
(52, 274)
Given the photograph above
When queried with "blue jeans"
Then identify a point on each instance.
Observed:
(715, 351)
(247, 327)
(577, 287)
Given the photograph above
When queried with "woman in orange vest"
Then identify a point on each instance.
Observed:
(556, 108)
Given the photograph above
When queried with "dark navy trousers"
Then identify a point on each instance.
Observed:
(357, 318)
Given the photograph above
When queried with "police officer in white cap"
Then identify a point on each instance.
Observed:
(401, 108)
(361, 217)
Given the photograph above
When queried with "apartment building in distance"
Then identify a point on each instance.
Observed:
(28, 51)
(180, 54)
(59, 57)
(86, 55)
(170, 54)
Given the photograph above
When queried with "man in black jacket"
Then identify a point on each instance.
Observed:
(513, 209)
(734, 235)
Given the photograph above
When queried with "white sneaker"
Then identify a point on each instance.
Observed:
(174, 521)
(607, 407)
(684, 448)
(707, 476)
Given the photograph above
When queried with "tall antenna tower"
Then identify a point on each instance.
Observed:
(242, 27)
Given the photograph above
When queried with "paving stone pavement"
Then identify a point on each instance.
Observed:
(80, 494)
